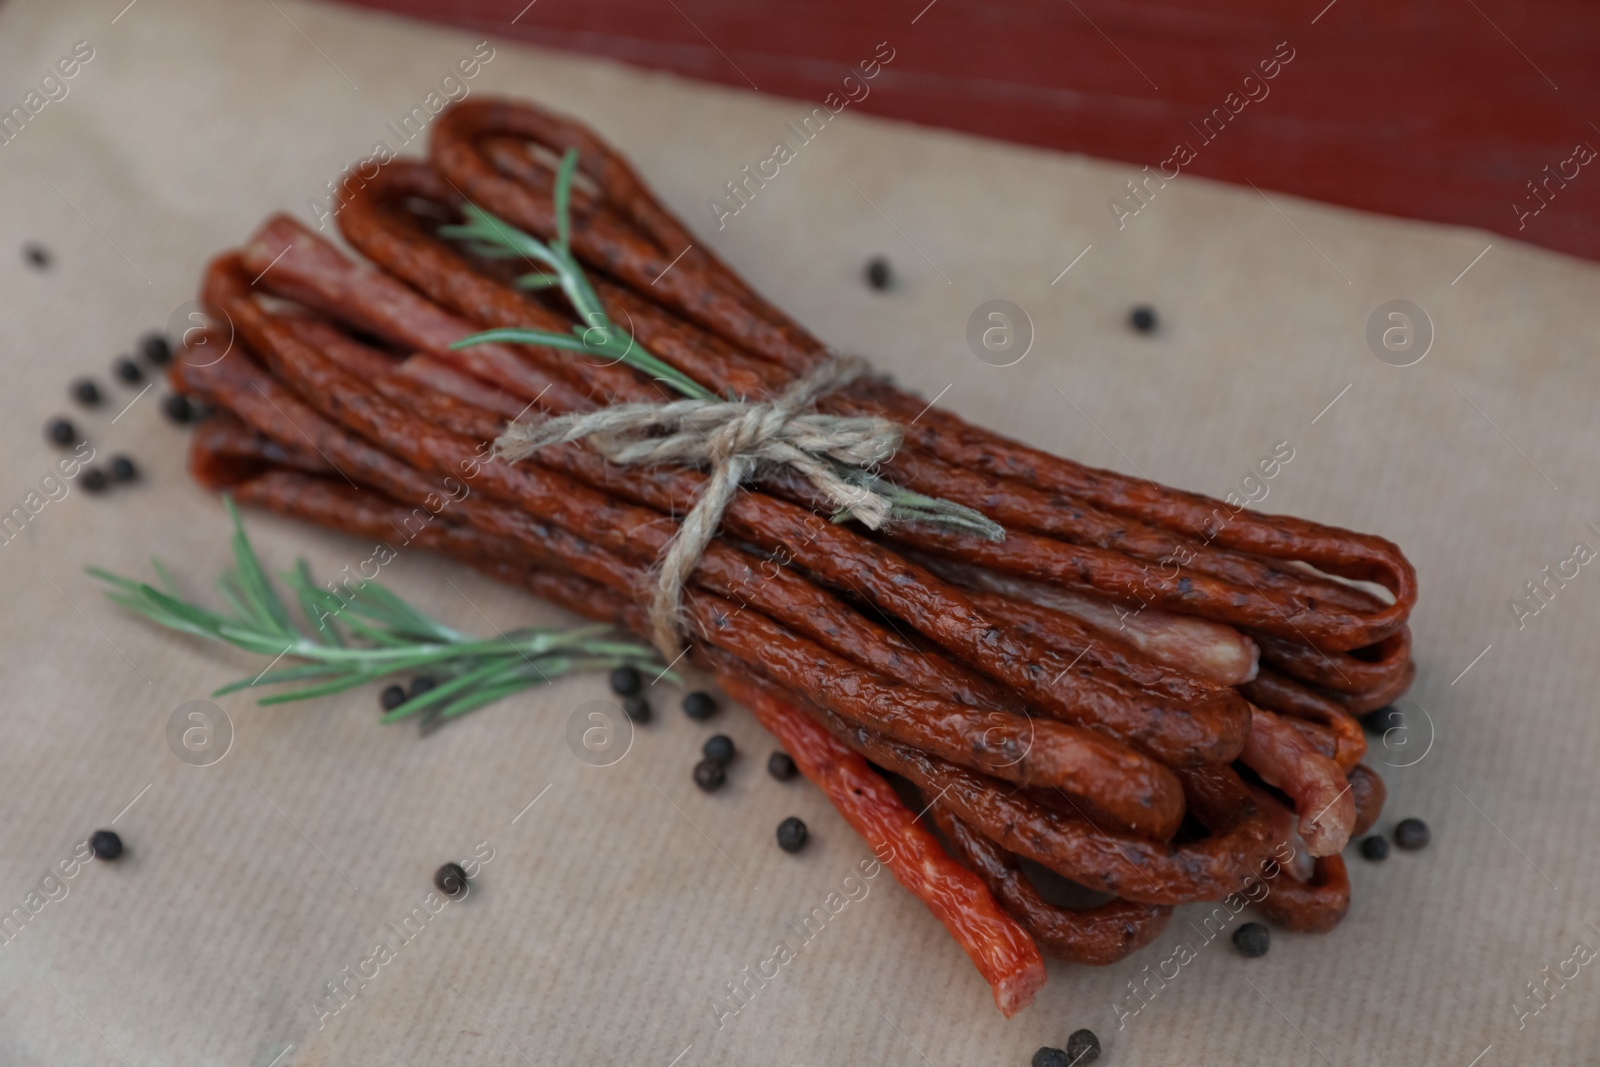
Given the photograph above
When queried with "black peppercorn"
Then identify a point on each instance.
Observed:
(94, 480)
(155, 349)
(1050, 1057)
(625, 681)
(85, 392)
(1082, 1048)
(178, 408)
(708, 775)
(421, 684)
(122, 469)
(392, 697)
(1374, 848)
(1412, 834)
(878, 273)
(105, 844)
(718, 748)
(781, 766)
(127, 371)
(792, 834)
(451, 880)
(1383, 720)
(636, 708)
(37, 255)
(1143, 318)
(1252, 940)
(61, 432)
(699, 706)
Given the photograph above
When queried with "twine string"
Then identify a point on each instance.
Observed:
(734, 439)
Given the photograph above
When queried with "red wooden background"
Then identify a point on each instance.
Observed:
(1449, 111)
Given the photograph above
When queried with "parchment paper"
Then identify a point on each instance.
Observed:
(616, 909)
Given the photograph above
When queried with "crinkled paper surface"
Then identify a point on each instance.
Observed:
(613, 912)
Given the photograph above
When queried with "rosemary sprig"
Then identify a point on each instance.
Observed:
(594, 332)
(386, 636)
(597, 335)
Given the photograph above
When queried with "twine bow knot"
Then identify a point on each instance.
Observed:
(734, 438)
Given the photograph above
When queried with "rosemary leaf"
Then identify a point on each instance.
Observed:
(473, 701)
(347, 680)
(318, 605)
(563, 199)
(260, 597)
(462, 682)
(288, 674)
(169, 584)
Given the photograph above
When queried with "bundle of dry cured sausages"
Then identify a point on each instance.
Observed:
(1149, 692)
